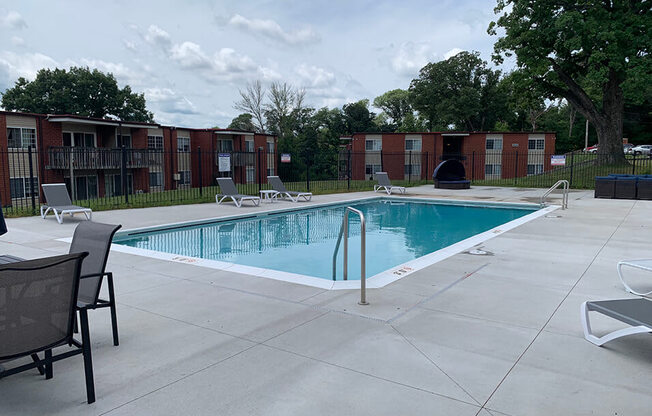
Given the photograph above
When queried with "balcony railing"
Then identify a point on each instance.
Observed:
(102, 158)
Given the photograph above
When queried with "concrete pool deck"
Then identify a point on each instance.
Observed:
(497, 334)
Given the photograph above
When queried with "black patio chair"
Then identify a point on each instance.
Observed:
(95, 238)
(37, 311)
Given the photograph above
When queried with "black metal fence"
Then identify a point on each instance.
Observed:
(108, 178)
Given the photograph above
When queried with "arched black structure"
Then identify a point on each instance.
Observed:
(450, 174)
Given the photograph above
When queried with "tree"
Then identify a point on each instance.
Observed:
(460, 90)
(243, 121)
(251, 101)
(395, 104)
(358, 118)
(526, 99)
(586, 52)
(76, 91)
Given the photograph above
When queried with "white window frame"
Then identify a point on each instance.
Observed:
(250, 174)
(270, 145)
(495, 169)
(539, 144)
(496, 144)
(373, 168)
(185, 177)
(249, 145)
(25, 187)
(537, 169)
(159, 175)
(22, 141)
(181, 144)
(155, 142)
(412, 147)
(221, 147)
(376, 145)
(412, 170)
(270, 171)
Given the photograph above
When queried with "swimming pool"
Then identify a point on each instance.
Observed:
(300, 242)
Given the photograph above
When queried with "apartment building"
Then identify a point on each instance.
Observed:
(486, 155)
(90, 154)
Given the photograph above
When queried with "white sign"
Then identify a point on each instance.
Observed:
(224, 162)
(558, 160)
(285, 158)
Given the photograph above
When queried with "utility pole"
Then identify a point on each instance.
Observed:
(586, 135)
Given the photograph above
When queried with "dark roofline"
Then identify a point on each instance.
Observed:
(104, 120)
(449, 132)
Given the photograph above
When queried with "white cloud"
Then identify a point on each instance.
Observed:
(129, 45)
(159, 37)
(452, 52)
(166, 100)
(120, 71)
(24, 65)
(312, 76)
(271, 30)
(17, 41)
(190, 55)
(411, 57)
(269, 74)
(13, 20)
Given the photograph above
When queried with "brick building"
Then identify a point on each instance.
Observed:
(87, 154)
(486, 155)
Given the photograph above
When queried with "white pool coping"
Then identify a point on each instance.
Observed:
(376, 281)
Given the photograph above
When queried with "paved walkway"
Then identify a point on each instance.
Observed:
(471, 335)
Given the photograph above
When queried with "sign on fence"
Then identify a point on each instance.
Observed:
(285, 158)
(224, 162)
(558, 160)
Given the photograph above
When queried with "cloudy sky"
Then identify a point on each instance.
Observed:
(191, 57)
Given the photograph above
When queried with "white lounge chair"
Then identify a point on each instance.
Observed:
(58, 201)
(229, 190)
(637, 264)
(635, 312)
(294, 196)
(385, 184)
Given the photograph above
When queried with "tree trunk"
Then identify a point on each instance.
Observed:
(610, 125)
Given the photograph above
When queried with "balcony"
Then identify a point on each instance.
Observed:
(102, 158)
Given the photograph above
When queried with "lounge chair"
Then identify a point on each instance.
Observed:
(38, 314)
(95, 238)
(635, 312)
(58, 201)
(229, 190)
(294, 196)
(385, 184)
(637, 264)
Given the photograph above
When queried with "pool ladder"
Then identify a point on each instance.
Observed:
(564, 198)
(344, 233)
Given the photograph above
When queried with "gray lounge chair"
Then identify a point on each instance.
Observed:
(643, 264)
(58, 201)
(38, 314)
(229, 190)
(635, 312)
(95, 238)
(279, 187)
(385, 184)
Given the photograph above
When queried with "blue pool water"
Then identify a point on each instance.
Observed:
(303, 241)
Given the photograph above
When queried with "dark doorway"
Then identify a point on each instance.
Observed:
(452, 147)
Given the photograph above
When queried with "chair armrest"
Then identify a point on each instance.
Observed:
(107, 274)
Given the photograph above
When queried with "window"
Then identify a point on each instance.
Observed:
(251, 174)
(413, 169)
(494, 170)
(371, 169)
(270, 171)
(249, 145)
(373, 145)
(155, 179)
(184, 176)
(270, 146)
(225, 145)
(19, 187)
(21, 137)
(413, 144)
(154, 142)
(494, 144)
(183, 144)
(536, 144)
(534, 169)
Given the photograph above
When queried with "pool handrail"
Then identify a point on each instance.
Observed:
(564, 198)
(344, 232)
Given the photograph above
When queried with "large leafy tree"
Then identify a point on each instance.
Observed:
(78, 91)
(358, 118)
(243, 121)
(395, 104)
(588, 52)
(460, 90)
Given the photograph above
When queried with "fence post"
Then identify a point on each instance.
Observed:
(123, 174)
(348, 173)
(201, 172)
(308, 173)
(410, 171)
(516, 168)
(473, 166)
(31, 178)
(572, 165)
(259, 169)
(382, 165)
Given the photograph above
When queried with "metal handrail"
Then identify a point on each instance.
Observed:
(344, 232)
(564, 198)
